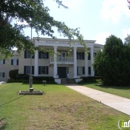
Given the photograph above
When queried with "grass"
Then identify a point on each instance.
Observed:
(60, 108)
(123, 91)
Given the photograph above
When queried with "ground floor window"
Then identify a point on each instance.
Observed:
(43, 69)
(27, 70)
(80, 70)
(89, 70)
(2, 74)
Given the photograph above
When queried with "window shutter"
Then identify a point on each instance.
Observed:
(32, 69)
(17, 62)
(39, 69)
(3, 75)
(89, 70)
(11, 61)
(46, 69)
(89, 56)
(24, 54)
(3, 61)
(83, 70)
(24, 69)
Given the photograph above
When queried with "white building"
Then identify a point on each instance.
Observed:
(67, 62)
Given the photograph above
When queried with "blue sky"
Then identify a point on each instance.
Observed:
(97, 19)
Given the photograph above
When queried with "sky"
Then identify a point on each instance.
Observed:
(97, 19)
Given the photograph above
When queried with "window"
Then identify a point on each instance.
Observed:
(80, 70)
(89, 70)
(2, 61)
(43, 55)
(89, 56)
(80, 55)
(2, 74)
(27, 70)
(14, 61)
(43, 69)
(27, 55)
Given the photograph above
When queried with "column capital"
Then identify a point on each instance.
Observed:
(75, 47)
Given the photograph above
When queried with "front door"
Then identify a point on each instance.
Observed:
(62, 72)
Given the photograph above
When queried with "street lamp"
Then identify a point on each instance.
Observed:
(31, 78)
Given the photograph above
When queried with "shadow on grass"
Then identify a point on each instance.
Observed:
(11, 101)
(2, 124)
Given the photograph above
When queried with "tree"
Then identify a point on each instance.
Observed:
(35, 14)
(112, 63)
(127, 39)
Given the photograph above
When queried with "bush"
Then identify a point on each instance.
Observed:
(13, 73)
(14, 80)
(40, 79)
(25, 79)
(89, 79)
(22, 76)
(113, 62)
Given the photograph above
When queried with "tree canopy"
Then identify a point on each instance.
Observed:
(113, 62)
(36, 15)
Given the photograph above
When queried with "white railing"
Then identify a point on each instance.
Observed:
(62, 60)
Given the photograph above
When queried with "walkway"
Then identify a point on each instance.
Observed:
(2, 82)
(119, 103)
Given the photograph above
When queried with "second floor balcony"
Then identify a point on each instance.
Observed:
(62, 60)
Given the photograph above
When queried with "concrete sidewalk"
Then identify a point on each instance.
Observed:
(2, 82)
(119, 103)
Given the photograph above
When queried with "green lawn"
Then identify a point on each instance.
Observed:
(123, 91)
(58, 109)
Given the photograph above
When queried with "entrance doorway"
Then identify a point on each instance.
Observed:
(62, 72)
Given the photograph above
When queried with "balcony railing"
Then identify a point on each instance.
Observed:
(62, 60)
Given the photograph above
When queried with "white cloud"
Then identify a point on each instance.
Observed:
(72, 3)
(114, 9)
(101, 37)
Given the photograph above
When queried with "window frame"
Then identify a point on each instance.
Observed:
(2, 74)
(43, 55)
(80, 55)
(14, 61)
(44, 70)
(80, 70)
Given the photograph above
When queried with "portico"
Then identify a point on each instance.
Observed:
(70, 61)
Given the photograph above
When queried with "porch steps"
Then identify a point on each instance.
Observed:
(67, 81)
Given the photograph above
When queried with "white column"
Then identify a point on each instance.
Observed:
(92, 61)
(86, 65)
(55, 62)
(75, 62)
(36, 64)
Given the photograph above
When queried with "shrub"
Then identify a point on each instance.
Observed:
(14, 80)
(13, 73)
(89, 79)
(113, 62)
(22, 76)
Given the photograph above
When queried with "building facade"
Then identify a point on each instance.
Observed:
(68, 60)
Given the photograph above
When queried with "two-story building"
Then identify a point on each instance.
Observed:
(68, 61)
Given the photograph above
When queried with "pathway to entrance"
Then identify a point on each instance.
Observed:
(119, 103)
